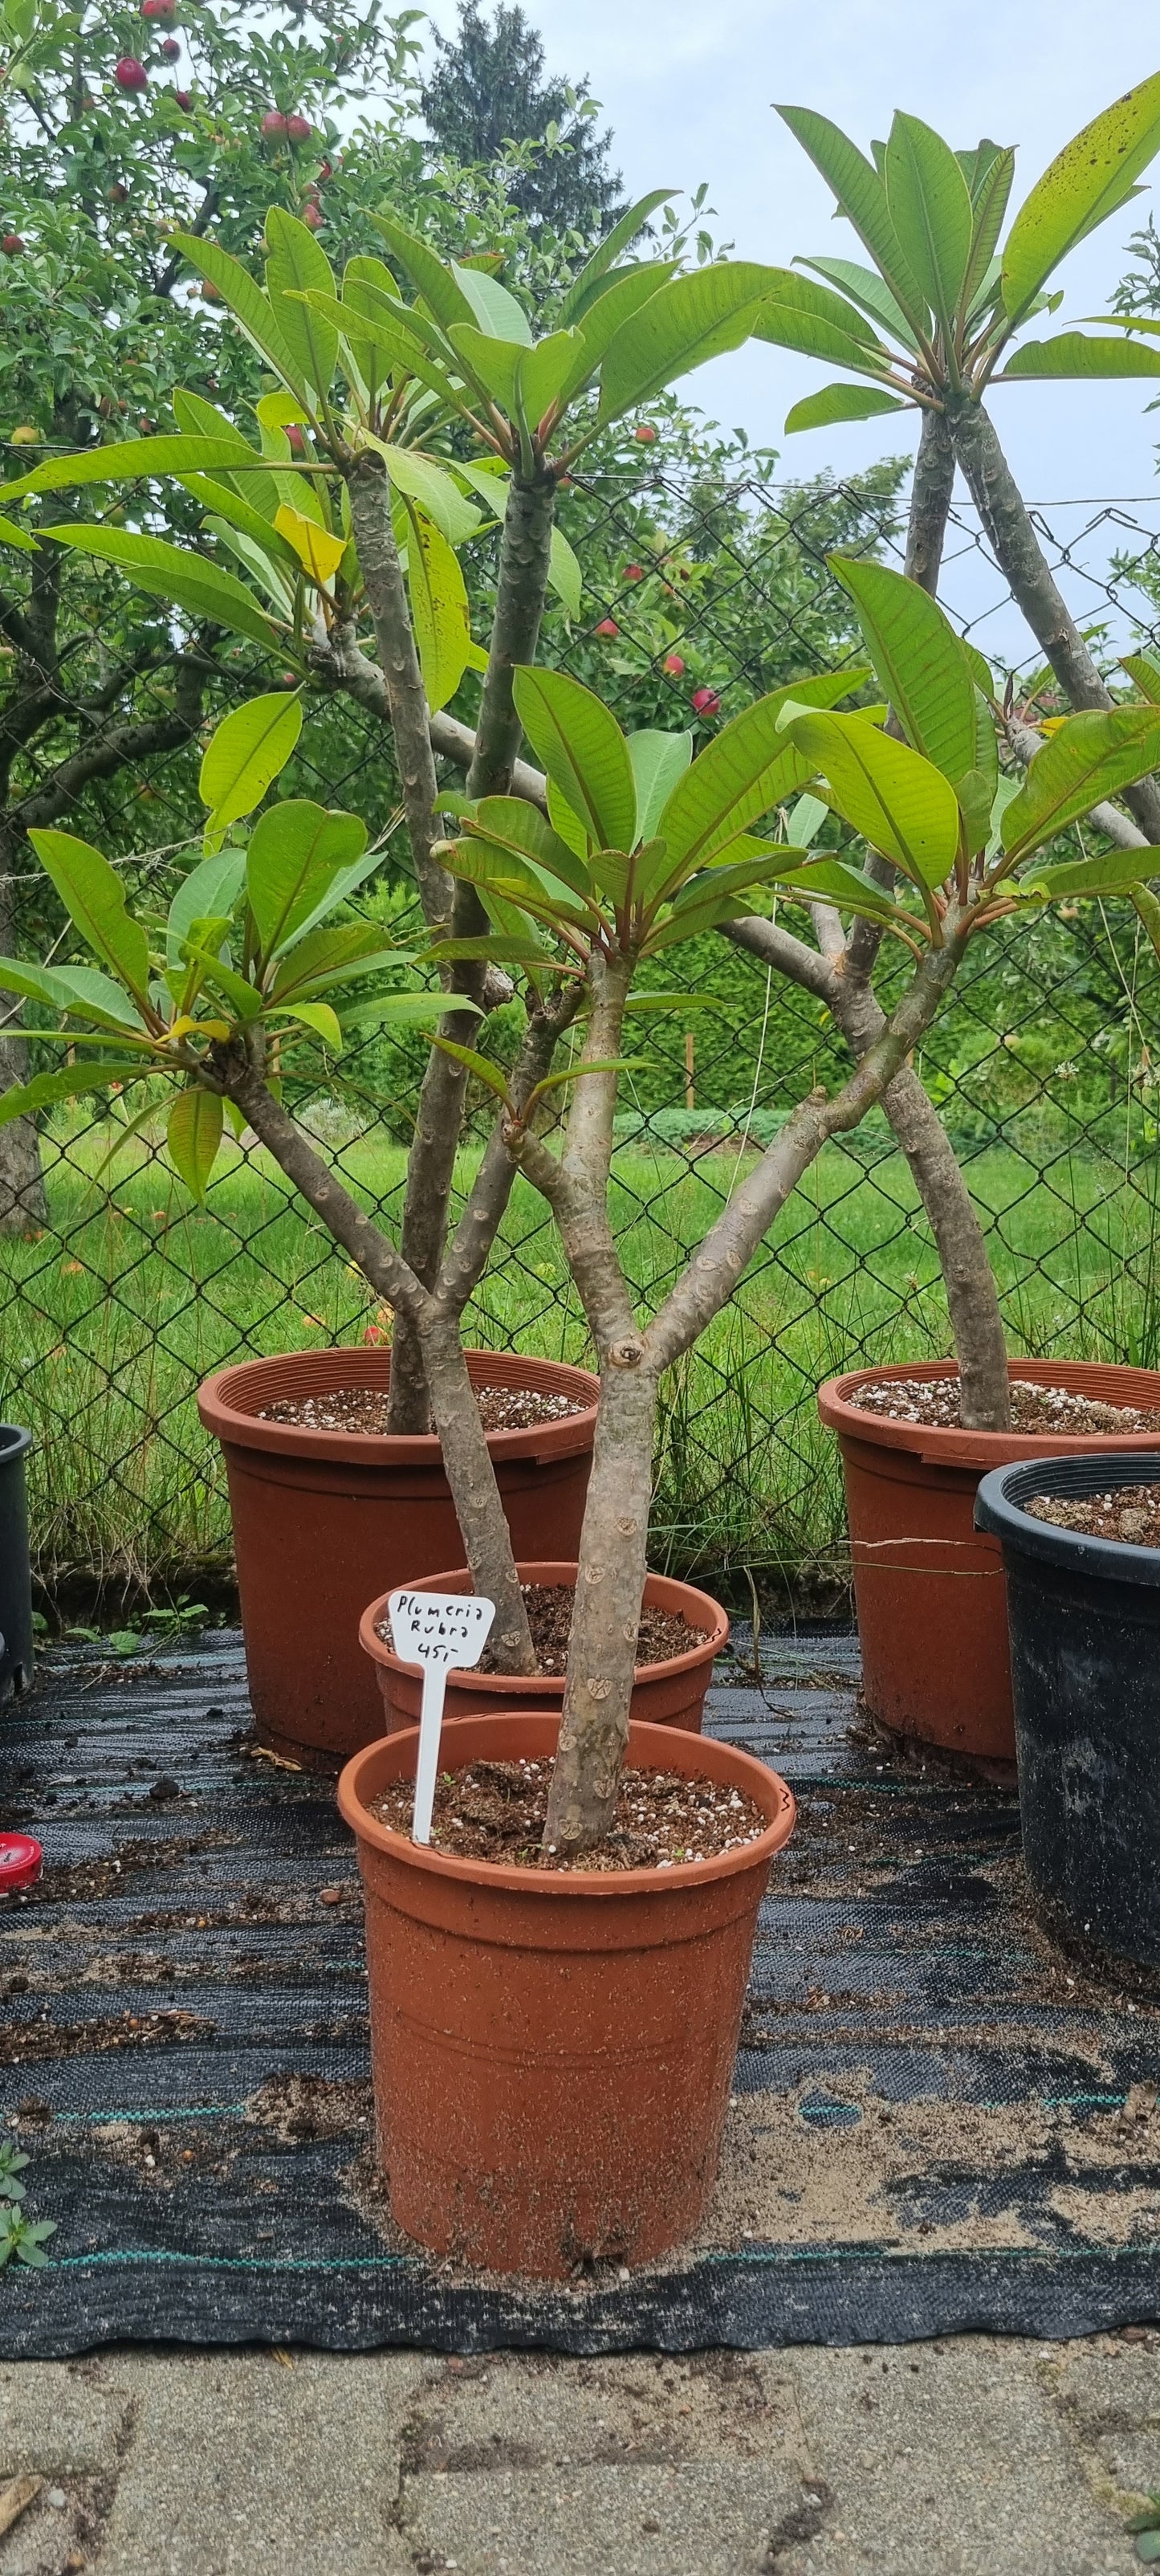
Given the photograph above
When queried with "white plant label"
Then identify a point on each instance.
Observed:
(444, 1632)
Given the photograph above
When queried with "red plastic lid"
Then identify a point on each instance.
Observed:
(20, 1861)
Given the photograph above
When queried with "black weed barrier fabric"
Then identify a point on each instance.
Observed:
(940, 2121)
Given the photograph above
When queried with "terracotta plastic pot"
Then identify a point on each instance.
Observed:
(322, 1519)
(668, 1694)
(552, 2050)
(929, 1589)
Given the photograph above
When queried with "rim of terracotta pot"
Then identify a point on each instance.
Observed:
(544, 1572)
(1105, 1382)
(228, 1404)
(393, 1754)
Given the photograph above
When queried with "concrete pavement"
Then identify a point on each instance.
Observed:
(976, 2456)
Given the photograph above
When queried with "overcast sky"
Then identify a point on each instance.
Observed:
(687, 86)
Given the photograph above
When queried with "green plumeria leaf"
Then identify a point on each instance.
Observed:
(248, 750)
(799, 314)
(296, 850)
(862, 197)
(432, 488)
(319, 1018)
(595, 271)
(211, 888)
(866, 289)
(1116, 872)
(930, 208)
(658, 761)
(480, 1065)
(750, 766)
(296, 262)
(25, 1099)
(439, 609)
(564, 574)
(82, 990)
(898, 801)
(441, 287)
(832, 880)
(193, 1135)
(187, 580)
(583, 751)
(1144, 669)
(94, 896)
(250, 308)
(693, 318)
(1073, 354)
(919, 661)
(840, 402)
(1092, 756)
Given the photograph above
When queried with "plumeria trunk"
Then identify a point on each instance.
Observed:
(431, 1161)
(610, 1579)
(606, 1614)
(1021, 560)
(973, 1299)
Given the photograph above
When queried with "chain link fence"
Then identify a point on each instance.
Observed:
(119, 1294)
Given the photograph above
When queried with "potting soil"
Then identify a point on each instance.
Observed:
(939, 2121)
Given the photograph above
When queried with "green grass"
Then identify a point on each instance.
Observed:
(112, 1316)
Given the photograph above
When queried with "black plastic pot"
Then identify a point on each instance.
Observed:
(15, 1578)
(1084, 1616)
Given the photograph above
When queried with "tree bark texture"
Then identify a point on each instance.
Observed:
(431, 1160)
(972, 1297)
(606, 1616)
(522, 587)
(1024, 566)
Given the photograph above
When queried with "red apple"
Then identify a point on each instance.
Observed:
(299, 129)
(673, 665)
(170, 50)
(11, 245)
(607, 626)
(184, 98)
(297, 441)
(312, 215)
(706, 703)
(634, 572)
(645, 433)
(274, 126)
(211, 294)
(130, 74)
(166, 10)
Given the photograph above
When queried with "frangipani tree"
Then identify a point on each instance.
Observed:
(251, 949)
(362, 472)
(936, 319)
(639, 850)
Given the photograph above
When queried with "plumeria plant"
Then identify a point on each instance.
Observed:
(940, 315)
(641, 848)
(349, 508)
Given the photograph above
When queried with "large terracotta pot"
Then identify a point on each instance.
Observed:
(323, 1519)
(668, 1694)
(552, 2050)
(929, 1589)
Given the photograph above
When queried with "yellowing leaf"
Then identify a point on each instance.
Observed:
(204, 1028)
(318, 552)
